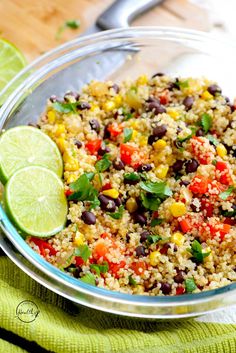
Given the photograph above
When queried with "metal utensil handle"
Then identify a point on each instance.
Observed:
(121, 12)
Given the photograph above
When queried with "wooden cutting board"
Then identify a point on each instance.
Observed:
(32, 25)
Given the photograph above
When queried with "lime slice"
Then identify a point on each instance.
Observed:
(22, 146)
(35, 201)
(11, 62)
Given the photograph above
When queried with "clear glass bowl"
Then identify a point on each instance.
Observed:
(115, 54)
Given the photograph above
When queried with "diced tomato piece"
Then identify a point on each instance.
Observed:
(207, 206)
(185, 225)
(100, 250)
(164, 98)
(225, 177)
(215, 188)
(199, 184)
(230, 221)
(202, 149)
(115, 129)
(68, 192)
(126, 152)
(105, 235)
(115, 267)
(93, 146)
(221, 166)
(221, 228)
(42, 244)
(107, 186)
(79, 261)
(180, 290)
(139, 267)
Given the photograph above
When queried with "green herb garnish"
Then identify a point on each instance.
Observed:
(153, 239)
(150, 202)
(182, 84)
(206, 122)
(88, 278)
(66, 107)
(72, 24)
(132, 177)
(212, 139)
(225, 194)
(100, 268)
(184, 139)
(156, 221)
(118, 214)
(160, 189)
(197, 253)
(190, 285)
(83, 251)
(127, 134)
(132, 281)
(83, 190)
(103, 164)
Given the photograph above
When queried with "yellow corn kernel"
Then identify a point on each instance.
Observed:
(159, 145)
(51, 116)
(72, 166)
(135, 124)
(131, 205)
(118, 100)
(161, 171)
(134, 135)
(142, 80)
(94, 107)
(61, 143)
(79, 239)
(113, 193)
(178, 209)
(98, 89)
(221, 150)
(177, 238)
(174, 114)
(109, 106)
(60, 129)
(67, 157)
(143, 141)
(206, 96)
(71, 178)
(133, 99)
(154, 258)
(209, 257)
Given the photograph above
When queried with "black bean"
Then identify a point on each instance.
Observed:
(188, 102)
(103, 150)
(165, 288)
(116, 88)
(213, 89)
(78, 143)
(139, 218)
(94, 125)
(184, 183)
(194, 208)
(152, 139)
(158, 74)
(177, 166)
(144, 235)
(140, 251)
(156, 107)
(88, 217)
(191, 165)
(159, 131)
(200, 132)
(84, 105)
(118, 165)
(144, 168)
(118, 201)
(127, 237)
(77, 272)
(107, 203)
(71, 94)
(179, 278)
(171, 86)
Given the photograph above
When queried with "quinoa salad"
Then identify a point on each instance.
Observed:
(150, 179)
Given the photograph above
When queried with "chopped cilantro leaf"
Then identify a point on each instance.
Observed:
(160, 189)
(156, 221)
(88, 278)
(118, 214)
(206, 122)
(225, 194)
(190, 285)
(153, 239)
(72, 24)
(103, 164)
(132, 177)
(150, 202)
(98, 268)
(197, 252)
(132, 281)
(127, 134)
(83, 251)
(83, 190)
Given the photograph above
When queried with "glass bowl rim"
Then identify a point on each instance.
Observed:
(12, 234)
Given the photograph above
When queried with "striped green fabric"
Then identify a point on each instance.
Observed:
(62, 327)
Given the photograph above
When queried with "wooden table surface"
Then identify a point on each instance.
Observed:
(32, 25)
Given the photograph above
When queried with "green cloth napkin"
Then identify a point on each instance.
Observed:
(62, 327)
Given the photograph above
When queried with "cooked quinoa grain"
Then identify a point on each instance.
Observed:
(150, 177)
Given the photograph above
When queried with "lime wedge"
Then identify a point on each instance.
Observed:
(35, 201)
(11, 62)
(22, 146)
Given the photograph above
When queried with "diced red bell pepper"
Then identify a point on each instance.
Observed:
(126, 153)
(225, 177)
(185, 225)
(202, 149)
(79, 261)
(107, 186)
(199, 184)
(115, 129)
(139, 267)
(42, 244)
(115, 267)
(164, 98)
(230, 221)
(68, 192)
(93, 146)
(180, 290)
(207, 206)
(221, 228)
